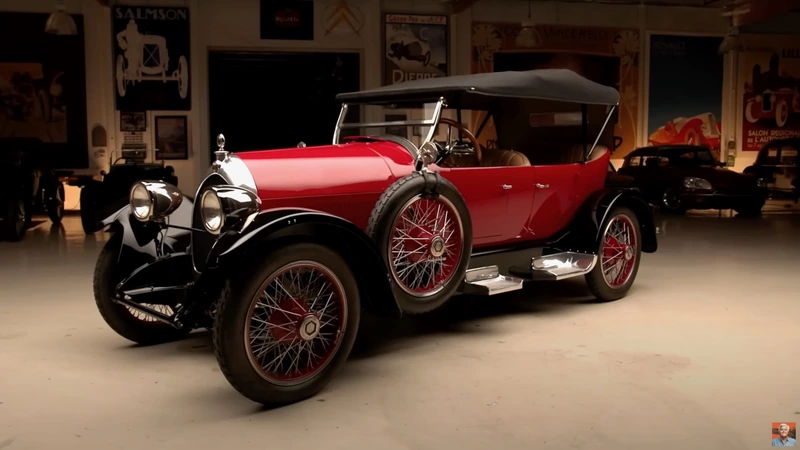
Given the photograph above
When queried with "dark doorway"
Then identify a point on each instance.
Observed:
(276, 100)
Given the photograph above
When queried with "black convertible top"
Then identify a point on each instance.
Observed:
(476, 90)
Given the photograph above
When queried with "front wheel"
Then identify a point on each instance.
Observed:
(132, 325)
(283, 329)
(55, 206)
(750, 208)
(14, 220)
(618, 254)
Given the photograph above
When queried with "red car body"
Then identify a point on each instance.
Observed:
(347, 179)
(280, 250)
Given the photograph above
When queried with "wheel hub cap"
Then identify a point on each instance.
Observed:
(628, 253)
(437, 247)
(309, 328)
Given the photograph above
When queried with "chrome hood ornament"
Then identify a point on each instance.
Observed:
(221, 154)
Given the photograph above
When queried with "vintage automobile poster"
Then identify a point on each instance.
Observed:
(771, 101)
(681, 112)
(416, 46)
(151, 58)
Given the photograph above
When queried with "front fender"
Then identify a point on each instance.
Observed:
(272, 229)
(149, 238)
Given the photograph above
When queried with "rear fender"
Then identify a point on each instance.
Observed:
(273, 229)
(586, 229)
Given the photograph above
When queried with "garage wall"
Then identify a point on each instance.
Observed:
(234, 24)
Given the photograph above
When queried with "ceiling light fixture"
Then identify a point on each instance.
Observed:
(60, 22)
(528, 37)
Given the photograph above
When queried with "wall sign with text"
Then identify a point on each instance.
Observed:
(287, 19)
(151, 58)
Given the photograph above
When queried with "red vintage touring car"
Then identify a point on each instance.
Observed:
(280, 250)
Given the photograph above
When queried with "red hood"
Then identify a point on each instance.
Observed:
(345, 179)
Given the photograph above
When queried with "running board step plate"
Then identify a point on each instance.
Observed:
(488, 281)
(559, 266)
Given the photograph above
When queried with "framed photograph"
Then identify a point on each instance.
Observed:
(171, 137)
(416, 46)
(132, 121)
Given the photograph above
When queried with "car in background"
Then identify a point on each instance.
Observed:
(777, 164)
(680, 177)
(99, 199)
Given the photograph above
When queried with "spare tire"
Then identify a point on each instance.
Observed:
(423, 231)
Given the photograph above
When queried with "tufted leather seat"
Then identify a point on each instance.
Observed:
(490, 158)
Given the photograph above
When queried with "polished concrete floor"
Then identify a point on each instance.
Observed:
(702, 354)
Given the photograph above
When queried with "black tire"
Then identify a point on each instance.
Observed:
(381, 227)
(600, 287)
(88, 207)
(751, 208)
(14, 220)
(233, 316)
(670, 203)
(108, 272)
(55, 208)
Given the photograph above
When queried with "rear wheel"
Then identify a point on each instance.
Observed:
(618, 254)
(130, 324)
(55, 207)
(282, 330)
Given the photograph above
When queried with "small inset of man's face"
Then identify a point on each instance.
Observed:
(783, 430)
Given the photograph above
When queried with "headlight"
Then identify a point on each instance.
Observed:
(222, 207)
(211, 212)
(154, 200)
(696, 183)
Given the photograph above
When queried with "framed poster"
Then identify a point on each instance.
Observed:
(415, 47)
(43, 91)
(151, 58)
(171, 137)
(770, 96)
(132, 121)
(287, 19)
(685, 90)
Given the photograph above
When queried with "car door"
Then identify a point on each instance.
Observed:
(555, 198)
(499, 200)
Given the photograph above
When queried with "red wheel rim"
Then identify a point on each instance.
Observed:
(295, 323)
(425, 245)
(619, 251)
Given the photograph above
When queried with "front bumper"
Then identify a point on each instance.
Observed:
(719, 200)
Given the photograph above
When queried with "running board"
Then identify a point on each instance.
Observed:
(560, 266)
(488, 281)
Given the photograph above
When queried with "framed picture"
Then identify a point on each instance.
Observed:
(132, 121)
(151, 58)
(416, 46)
(171, 137)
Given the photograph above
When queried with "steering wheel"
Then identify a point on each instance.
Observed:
(471, 137)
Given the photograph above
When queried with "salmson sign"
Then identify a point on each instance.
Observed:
(416, 47)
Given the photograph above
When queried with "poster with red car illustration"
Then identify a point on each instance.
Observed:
(771, 100)
(682, 112)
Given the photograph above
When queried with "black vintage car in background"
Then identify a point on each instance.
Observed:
(26, 188)
(777, 164)
(680, 177)
(99, 199)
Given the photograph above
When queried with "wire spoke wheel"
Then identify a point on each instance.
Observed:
(163, 309)
(425, 245)
(295, 323)
(619, 251)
